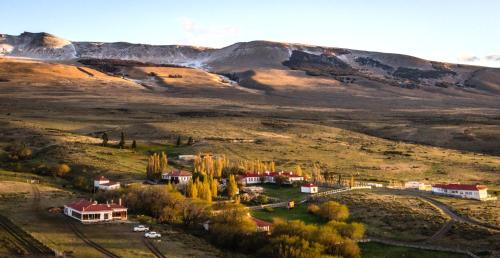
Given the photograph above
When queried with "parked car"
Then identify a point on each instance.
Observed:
(141, 228)
(152, 234)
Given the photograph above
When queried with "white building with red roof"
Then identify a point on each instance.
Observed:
(262, 225)
(250, 178)
(102, 183)
(91, 212)
(478, 192)
(177, 177)
(309, 188)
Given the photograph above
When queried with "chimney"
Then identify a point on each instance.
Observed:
(120, 201)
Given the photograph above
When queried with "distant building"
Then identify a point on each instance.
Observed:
(102, 183)
(186, 157)
(478, 192)
(177, 177)
(309, 188)
(262, 225)
(375, 184)
(417, 186)
(250, 178)
(91, 212)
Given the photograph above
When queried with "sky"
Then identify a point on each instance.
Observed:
(459, 31)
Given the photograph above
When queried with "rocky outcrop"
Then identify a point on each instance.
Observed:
(318, 64)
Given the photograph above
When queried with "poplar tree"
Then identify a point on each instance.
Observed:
(178, 141)
(163, 163)
(298, 170)
(232, 187)
(121, 144)
(134, 145)
(191, 190)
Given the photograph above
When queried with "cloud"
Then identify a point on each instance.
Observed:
(469, 58)
(493, 58)
(201, 34)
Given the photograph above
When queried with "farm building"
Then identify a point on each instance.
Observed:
(102, 183)
(91, 212)
(269, 177)
(262, 225)
(417, 185)
(177, 177)
(186, 157)
(309, 188)
(478, 192)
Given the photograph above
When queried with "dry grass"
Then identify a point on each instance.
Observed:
(385, 215)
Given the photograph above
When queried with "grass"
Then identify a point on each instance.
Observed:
(376, 250)
(284, 193)
(297, 213)
(392, 216)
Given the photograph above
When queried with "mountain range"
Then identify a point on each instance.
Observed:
(394, 69)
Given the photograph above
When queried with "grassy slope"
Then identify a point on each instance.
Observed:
(375, 250)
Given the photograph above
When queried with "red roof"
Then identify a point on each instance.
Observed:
(83, 205)
(271, 174)
(309, 185)
(101, 178)
(460, 187)
(179, 173)
(262, 223)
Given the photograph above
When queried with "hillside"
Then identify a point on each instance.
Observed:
(393, 69)
(385, 95)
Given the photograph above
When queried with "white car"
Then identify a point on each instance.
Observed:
(141, 228)
(152, 234)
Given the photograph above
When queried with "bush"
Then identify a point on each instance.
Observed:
(61, 170)
(19, 151)
(262, 199)
(82, 183)
(333, 211)
(313, 209)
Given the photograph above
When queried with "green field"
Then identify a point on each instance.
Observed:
(284, 193)
(297, 213)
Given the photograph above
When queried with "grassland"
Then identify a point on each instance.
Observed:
(368, 131)
(375, 250)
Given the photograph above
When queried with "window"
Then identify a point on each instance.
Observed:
(106, 216)
(76, 214)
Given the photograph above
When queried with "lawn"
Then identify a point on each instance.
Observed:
(376, 250)
(284, 193)
(297, 213)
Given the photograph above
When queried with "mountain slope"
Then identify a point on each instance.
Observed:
(391, 69)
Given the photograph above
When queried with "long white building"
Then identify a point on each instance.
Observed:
(478, 192)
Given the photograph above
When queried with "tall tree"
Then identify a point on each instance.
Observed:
(134, 145)
(190, 141)
(232, 187)
(191, 189)
(121, 144)
(214, 187)
(298, 170)
(163, 163)
(104, 139)
(178, 141)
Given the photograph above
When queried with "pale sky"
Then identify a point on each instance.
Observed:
(459, 31)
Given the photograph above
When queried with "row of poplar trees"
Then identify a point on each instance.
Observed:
(157, 164)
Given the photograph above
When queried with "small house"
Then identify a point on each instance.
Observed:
(102, 183)
(262, 225)
(177, 177)
(309, 188)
